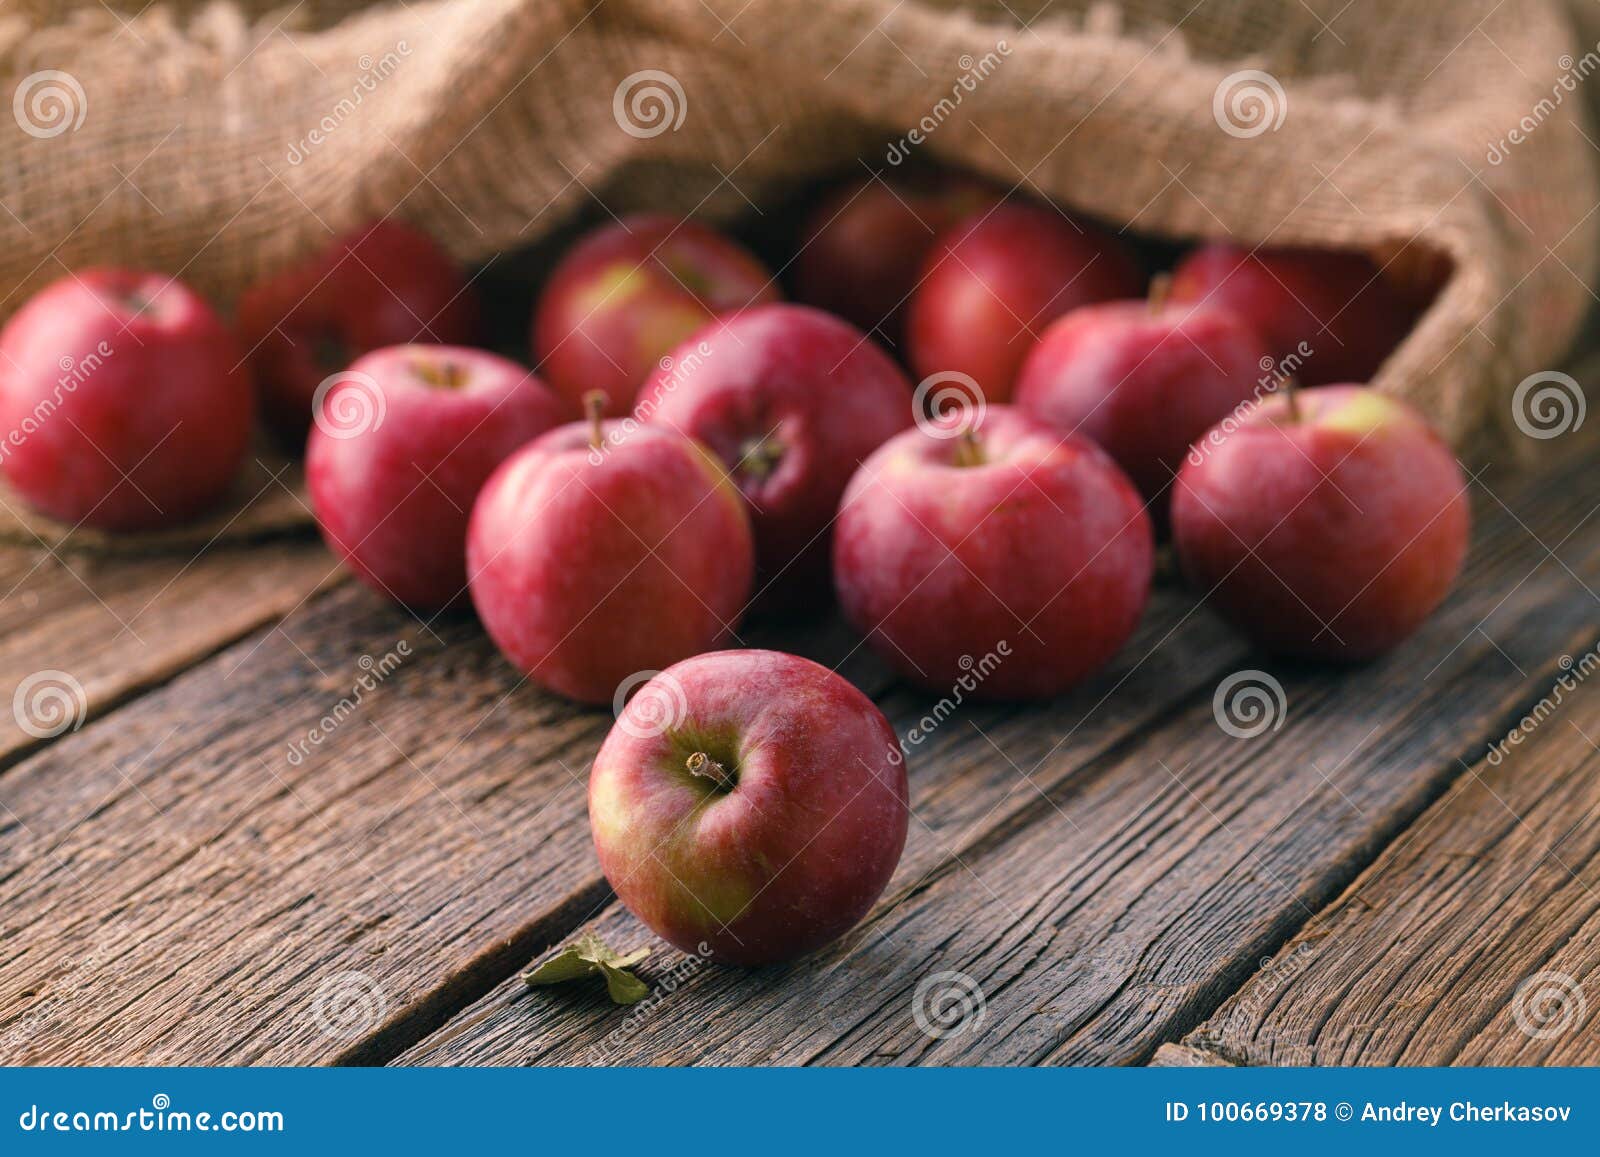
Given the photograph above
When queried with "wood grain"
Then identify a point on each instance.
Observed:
(117, 627)
(192, 879)
(1184, 1057)
(220, 896)
(179, 882)
(1109, 904)
(1473, 939)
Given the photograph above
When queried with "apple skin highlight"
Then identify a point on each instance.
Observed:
(1333, 535)
(1038, 541)
(790, 856)
(602, 549)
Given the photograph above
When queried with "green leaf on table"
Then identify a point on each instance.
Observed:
(623, 986)
(586, 956)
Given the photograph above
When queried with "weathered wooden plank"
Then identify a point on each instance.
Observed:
(1112, 901)
(180, 878)
(1184, 1057)
(1474, 938)
(219, 895)
(80, 634)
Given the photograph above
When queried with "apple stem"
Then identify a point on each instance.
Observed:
(1160, 286)
(969, 452)
(703, 765)
(443, 375)
(137, 301)
(594, 404)
(1291, 393)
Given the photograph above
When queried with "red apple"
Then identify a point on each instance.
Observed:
(751, 803)
(994, 282)
(1144, 379)
(123, 400)
(402, 443)
(1011, 550)
(791, 400)
(628, 293)
(1332, 312)
(381, 285)
(865, 242)
(603, 549)
(1326, 524)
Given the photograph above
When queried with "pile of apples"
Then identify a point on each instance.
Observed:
(694, 447)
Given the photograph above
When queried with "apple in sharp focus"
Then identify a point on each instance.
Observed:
(1349, 316)
(124, 404)
(379, 285)
(1012, 549)
(1144, 379)
(1328, 523)
(791, 400)
(629, 292)
(749, 801)
(864, 243)
(407, 438)
(602, 549)
(993, 282)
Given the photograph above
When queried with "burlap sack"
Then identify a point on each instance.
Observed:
(220, 141)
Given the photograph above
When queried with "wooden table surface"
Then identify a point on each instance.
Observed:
(188, 877)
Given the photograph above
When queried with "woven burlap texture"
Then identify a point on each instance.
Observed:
(489, 121)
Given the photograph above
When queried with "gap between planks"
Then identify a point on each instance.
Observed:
(1407, 764)
(254, 881)
(81, 635)
(299, 880)
(1471, 938)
